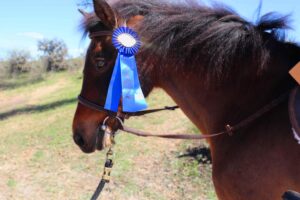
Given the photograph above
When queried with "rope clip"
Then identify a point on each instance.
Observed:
(108, 165)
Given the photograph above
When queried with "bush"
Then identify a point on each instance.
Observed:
(2, 69)
(18, 62)
(55, 52)
(75, 64)
(37, 70)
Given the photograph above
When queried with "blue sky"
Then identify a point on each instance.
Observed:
(24, 22)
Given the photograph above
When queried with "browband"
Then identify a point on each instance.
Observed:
(99, 34)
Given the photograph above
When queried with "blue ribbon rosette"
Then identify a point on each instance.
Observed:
(124, 81)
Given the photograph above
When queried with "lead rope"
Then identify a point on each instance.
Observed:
(106, 174)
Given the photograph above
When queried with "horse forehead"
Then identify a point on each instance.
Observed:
(98, 46)
(133, 21)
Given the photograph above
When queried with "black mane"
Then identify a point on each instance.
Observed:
(215, 39)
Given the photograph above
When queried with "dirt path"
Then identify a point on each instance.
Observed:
(26, 99)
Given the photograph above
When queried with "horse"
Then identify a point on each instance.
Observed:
(219, 68)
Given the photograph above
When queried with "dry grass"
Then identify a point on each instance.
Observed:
(40, 161)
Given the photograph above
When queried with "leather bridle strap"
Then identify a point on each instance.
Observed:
(169, 136)
(94, 106)
(145, 112)
(100, 33)
(124, 115)
(228, 129)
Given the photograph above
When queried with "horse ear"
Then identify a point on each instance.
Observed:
(105, 13)
(85, 14)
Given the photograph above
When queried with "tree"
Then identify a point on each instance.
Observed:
(55, 52)
(18, 61)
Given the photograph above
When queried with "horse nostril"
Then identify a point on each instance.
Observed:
(78, 139)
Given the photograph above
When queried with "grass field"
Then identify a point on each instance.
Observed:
(39, 159)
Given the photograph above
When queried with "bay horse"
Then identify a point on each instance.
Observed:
(219, 68)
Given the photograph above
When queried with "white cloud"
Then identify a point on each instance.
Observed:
(32, 35)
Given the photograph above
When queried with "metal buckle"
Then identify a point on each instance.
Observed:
(229, 129)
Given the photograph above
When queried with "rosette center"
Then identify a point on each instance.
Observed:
(126, 40)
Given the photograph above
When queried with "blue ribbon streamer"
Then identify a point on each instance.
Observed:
(125, 83)
(132, 96)
(115, 88)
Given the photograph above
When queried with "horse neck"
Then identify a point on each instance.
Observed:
(211, 109)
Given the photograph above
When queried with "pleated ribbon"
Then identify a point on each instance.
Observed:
(125, 82)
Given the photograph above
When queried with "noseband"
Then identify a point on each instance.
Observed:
(124, 115)
(94, 106)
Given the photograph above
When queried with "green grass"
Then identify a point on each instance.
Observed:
(41, 161)
(39, 155)
(11, 183)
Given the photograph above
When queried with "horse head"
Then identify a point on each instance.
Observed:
(97, 73)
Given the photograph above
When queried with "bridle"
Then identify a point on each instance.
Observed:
(121, 116)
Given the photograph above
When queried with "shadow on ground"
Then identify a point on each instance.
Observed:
(201, 154)
(36, 108)
(12, 85)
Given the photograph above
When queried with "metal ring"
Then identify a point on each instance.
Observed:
(118, 118)
(105, 120)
